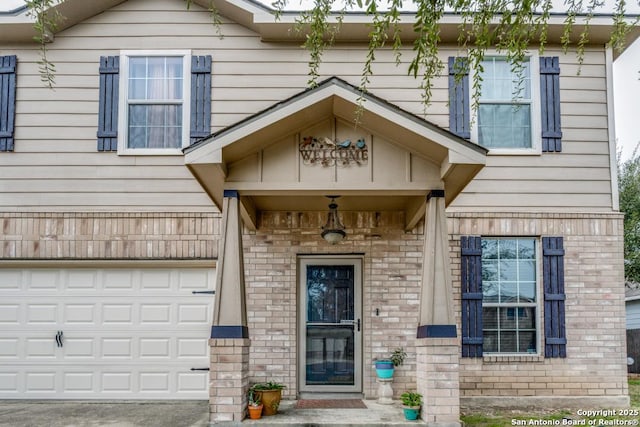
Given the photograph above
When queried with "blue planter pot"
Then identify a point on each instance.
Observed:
(384, 369)
(411, 414)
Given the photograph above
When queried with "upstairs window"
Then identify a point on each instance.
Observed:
(154, 97)
(519, 112)
(507, 117)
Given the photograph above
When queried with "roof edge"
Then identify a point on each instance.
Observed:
(337, 81)
(17, 11)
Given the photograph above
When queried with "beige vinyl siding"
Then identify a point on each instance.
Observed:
(579, 177)
(55, 165)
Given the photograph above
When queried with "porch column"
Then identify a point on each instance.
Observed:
(229, 343)
(437, 351)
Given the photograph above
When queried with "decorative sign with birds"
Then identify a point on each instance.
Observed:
(328, 152)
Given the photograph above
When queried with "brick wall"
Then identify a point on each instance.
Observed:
(109, 235)
(392, 273)
(392, 270)
(595, 316)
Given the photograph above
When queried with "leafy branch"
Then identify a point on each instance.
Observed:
(509, 26)
(46, 22)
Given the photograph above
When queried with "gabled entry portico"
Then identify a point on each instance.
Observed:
(286, 160)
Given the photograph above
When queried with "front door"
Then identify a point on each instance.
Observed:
(330, 325)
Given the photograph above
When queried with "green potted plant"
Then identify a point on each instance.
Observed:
(255, 405)
(385, 367)
(411, 402)
(270, 394)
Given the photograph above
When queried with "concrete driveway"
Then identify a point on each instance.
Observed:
(20, 413)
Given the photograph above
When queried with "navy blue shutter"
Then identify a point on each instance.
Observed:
(555, 341)
(550, 104)
(7, 101)
(471, 289)
(200, 97)
(108, 103)
(459, 117)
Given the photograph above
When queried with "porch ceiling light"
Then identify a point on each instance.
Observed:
(333, 230)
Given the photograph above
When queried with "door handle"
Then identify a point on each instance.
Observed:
(358, 325)
(59, 337)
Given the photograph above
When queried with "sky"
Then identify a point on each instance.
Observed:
(626, 88)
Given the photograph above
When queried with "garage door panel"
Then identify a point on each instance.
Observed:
(40, 348)
(194, 280)
(45, 279)
(41, 382)
(117, 382)
(154, 382)
(78, 382)
(116, 348)
(9, 314)
(189, 382)
(11, 280)
(9, 383)
(42, 314)
(156, 280)
(81, 279)
(80, 314)
(193, 348)
(194, 314)
(117, 313)
(118, 280)
(79, 348)
(9, 348)
(155, 348)
(155, 314)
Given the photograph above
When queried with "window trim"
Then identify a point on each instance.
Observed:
(539, 303)
(536, 115)
(123, 103)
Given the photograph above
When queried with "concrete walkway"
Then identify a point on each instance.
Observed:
(375, 415)
(20, 413)
(49, 413)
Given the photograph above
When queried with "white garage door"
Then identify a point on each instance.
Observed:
(110, 333)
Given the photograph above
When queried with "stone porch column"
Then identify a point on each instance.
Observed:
(229, 343)
(437, 355)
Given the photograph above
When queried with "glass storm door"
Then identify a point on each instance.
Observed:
(330, 325)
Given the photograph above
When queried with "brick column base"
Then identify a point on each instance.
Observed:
(438, 380)
(229, 379)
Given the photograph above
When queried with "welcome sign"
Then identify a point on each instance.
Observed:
(328, 152)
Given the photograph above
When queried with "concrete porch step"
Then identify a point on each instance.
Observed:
(375, 415)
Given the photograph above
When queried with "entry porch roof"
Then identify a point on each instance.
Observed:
(407, 156)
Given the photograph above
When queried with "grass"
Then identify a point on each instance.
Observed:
(502, 418)
(634, 392)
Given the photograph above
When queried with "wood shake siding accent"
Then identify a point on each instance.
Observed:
(56, 130)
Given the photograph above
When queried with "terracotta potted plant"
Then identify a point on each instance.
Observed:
(255, 406)
(411, 402)
(270, 394)
(385, 367)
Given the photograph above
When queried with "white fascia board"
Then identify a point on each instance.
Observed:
(206, 154)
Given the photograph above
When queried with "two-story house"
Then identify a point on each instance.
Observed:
(166, 207)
